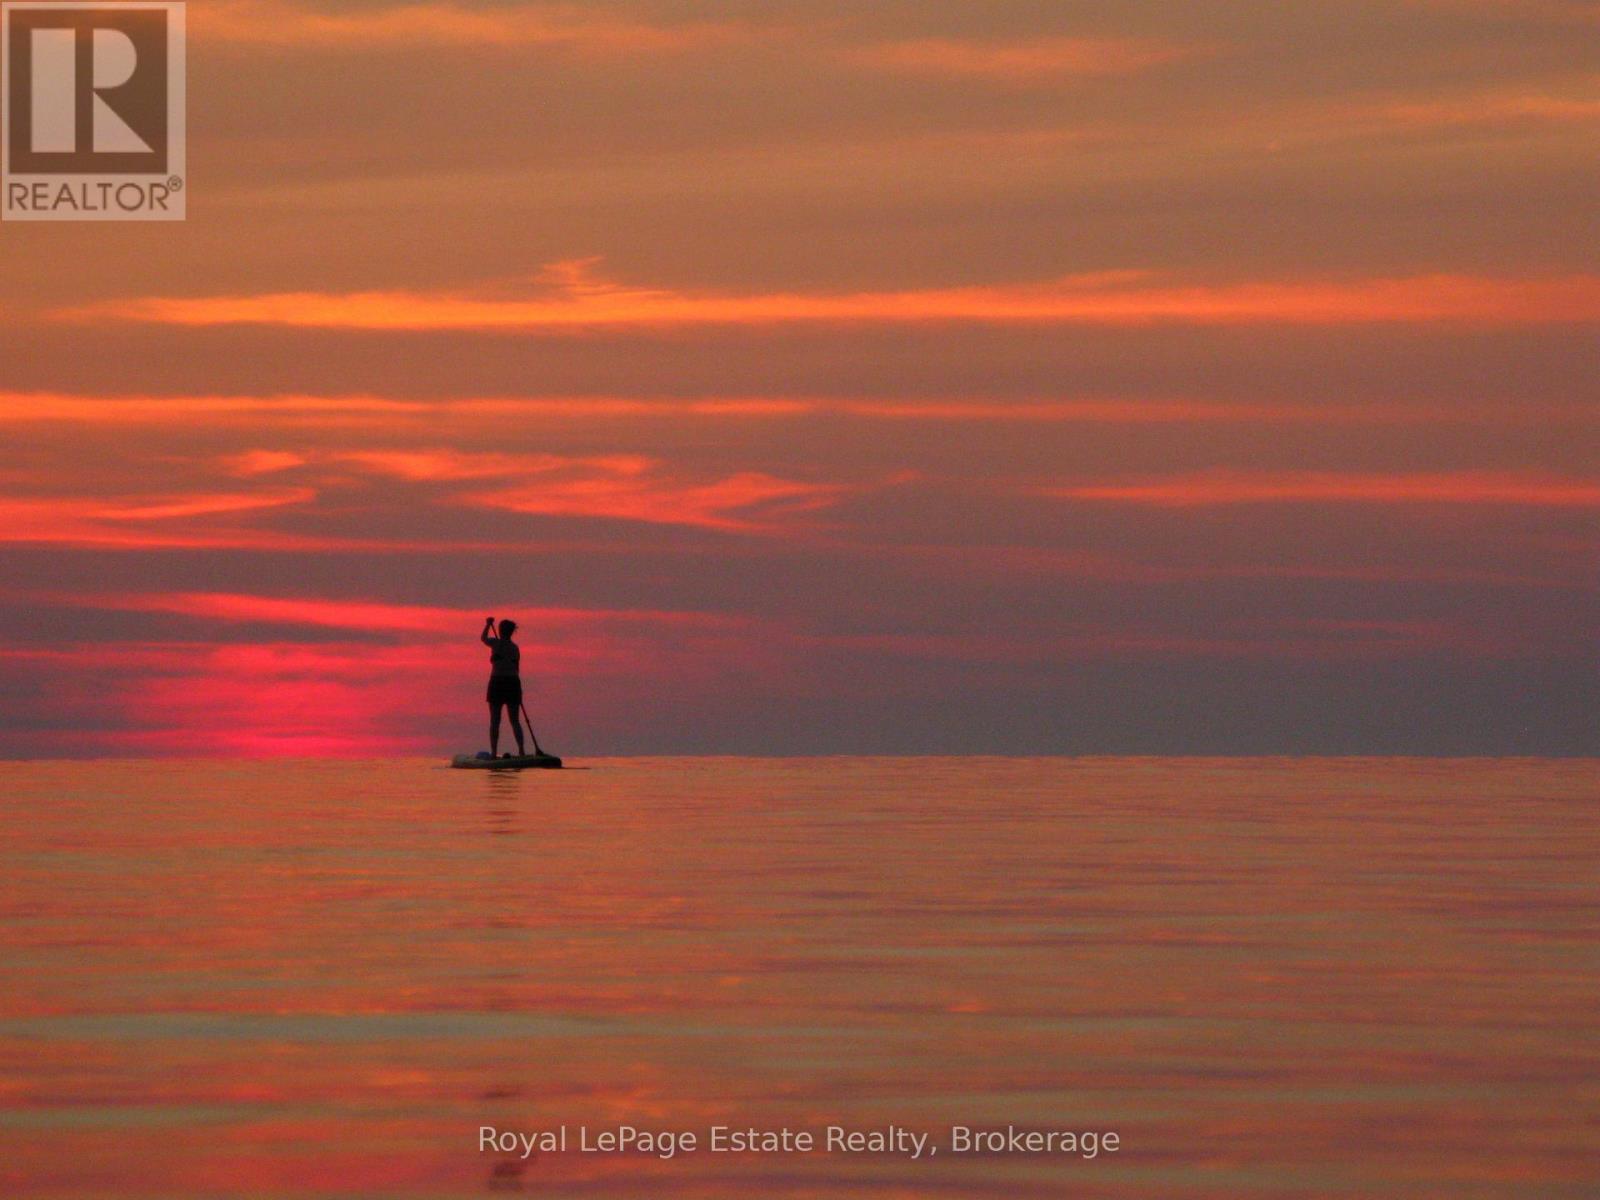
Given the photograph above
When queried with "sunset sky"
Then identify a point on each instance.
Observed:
(812, 377)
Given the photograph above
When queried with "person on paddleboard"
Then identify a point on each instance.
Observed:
(505, 681)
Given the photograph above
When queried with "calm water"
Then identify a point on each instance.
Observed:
(1271, 978)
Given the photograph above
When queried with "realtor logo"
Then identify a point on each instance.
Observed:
(92, 111)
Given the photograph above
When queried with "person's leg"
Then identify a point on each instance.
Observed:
(516, 727)
(494, 728)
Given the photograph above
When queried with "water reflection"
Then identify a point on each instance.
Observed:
(1273, 979)
(502, 800)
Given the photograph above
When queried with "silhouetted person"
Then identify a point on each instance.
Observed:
(505, 682)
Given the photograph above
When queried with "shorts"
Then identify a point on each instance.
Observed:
(505, 689)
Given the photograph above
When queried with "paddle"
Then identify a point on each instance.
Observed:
(531, 733)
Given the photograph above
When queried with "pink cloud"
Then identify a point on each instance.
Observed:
(376, 615)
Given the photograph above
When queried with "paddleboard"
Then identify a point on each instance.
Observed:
(508, 762)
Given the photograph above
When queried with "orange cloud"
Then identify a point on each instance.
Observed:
(318, 411)
(629, 487)
(1025, 61)
(1495, 109)
(748, 502)
(190, 521)
(339, 410)
(574, 298)
(429, 26)
(1191, 491)
(135, 521)
(203, 505)
(1133, 411)
(248, 463)
(42, 407)
(445, 465)
(623, 487)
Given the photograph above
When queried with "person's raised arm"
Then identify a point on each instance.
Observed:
(488, 628)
